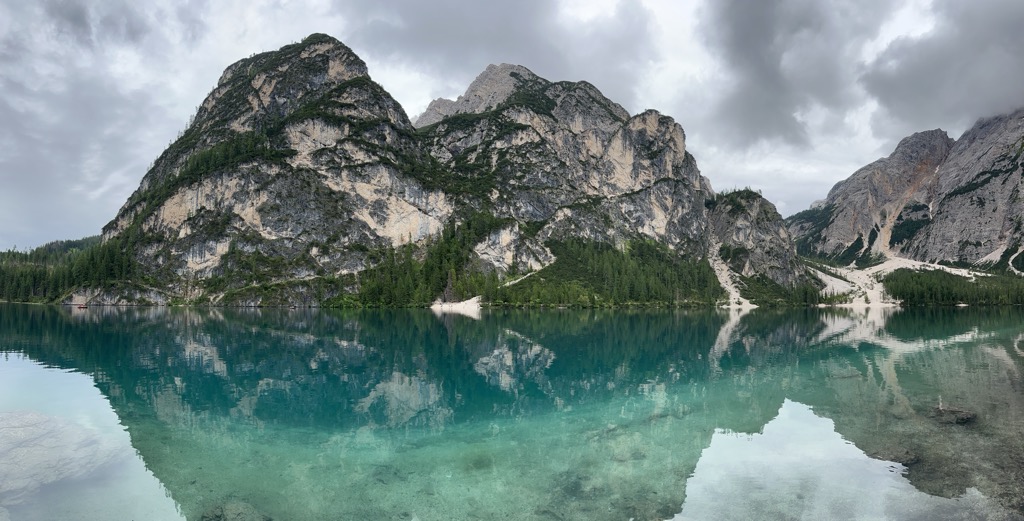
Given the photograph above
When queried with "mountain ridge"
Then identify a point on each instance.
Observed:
(957, 203)
(301, 181)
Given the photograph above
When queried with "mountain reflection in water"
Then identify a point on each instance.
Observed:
(799, 467)
(555, 414)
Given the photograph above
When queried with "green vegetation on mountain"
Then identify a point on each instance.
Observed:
(765, 292)
(917, 288)
(904, 228)
(51, 271)
(530, 95)
(585, 274)
(592, 274)
(736, 201)
(817, 219)
(443, 268)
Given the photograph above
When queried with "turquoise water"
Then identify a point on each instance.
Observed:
(157, 413)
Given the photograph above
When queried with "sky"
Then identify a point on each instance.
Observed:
(784, 96)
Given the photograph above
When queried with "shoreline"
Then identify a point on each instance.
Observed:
(450, 306)
(469, 308)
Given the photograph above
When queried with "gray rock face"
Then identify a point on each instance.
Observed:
(567, 162)
(298, 166)
(565, 159)
(931, 200)
(977, 210)
(869, 204)
(490, 89)
(753, 238)
(295, 166)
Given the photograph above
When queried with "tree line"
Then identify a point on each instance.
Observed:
(52, 271)
(595, 274)
(584, 274)
(936, 287)
(411, 277)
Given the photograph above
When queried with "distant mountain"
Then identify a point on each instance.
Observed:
(860, 213)
(932, 200)
(302, 181)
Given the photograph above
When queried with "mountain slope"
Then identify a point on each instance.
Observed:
(978, 208)
(571, 163)
(932, 200)
(300, 176)
(562, 160)
(293, 168)
(867, 211)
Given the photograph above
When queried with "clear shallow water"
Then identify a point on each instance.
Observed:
(63, 454)
(520, 415)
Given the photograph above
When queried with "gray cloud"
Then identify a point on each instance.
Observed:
(70, 18)
(86, 23)
(458, 38)
(192, 24)
(75, 152)
(968, 66)
(609, 52)
(95, 89)
(75, 138)
(783, 57)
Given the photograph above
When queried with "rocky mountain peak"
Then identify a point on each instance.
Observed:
(923, 146)
(862, 212)
(920, 152)
(977, 206)
(273, 84)
(979, 147)
(491, 88)
(283, 160)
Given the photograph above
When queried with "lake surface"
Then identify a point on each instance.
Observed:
(156, 413)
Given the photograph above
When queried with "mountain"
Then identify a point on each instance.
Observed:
(932, 200)
(978, 210)
(859, 213)
(301, 180)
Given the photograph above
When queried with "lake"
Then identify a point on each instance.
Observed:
(208, 414)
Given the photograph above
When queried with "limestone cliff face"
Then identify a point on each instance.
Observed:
(861, 212)
(561, 160)
(299, 168)
(293, 168)
(753, 239)
(566, 161)
(932, 200)
(977, 211)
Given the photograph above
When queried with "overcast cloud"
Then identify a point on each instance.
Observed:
(784, 58)
(968, 66)
(786, 96)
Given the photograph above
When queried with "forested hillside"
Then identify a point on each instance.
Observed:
(51, 271)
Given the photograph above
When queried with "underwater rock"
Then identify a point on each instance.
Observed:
(235, 511)
(953, 415)
(896, 454)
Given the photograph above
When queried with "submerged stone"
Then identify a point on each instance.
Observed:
(234, 511)
(896, 454)
(953, 415)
